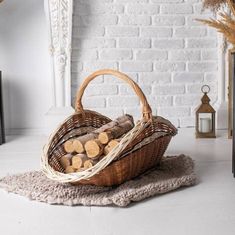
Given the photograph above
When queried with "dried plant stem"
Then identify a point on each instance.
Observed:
(231, 6)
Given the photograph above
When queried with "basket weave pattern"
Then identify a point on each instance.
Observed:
(139, 150)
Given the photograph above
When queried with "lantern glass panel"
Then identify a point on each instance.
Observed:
(205, 122)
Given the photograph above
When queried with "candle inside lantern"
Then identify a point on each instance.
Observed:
(205, 125)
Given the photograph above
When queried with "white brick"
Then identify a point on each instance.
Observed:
(151, 55)
(168, 89)
(131, 66)
(123, 101)
(190, 32)
(176, 8)
(160, 101)
(94, 102)
(156, 32)
(113, 79)
(201, 43)
(96, 65)
(185, 55)
(163, 66)
(110, 112)
(169, 43)
(154, 77)
(127, 90)
(158, 43)
(188, 77)
(198, 9)
(78, 43)
(134, 111)
(187, 100)
(210, 77)
(210, 55)
(134, 43)
(166, 20)
(92, 2)
(115, 54)
(103, 89)
(137, 20)
(167, 1)
(202, 66)
(80, 55)
(78, 78)
(196, 89)
(91, 9)
(191, 20)
(133, 1)
(122, 31)
(137, 9)
(174, 112)
(92, 20)
(80, 32)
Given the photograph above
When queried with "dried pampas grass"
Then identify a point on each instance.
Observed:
(214, 5)
(226, 23)
(226, 26)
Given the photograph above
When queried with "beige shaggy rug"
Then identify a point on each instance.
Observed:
(172, 173)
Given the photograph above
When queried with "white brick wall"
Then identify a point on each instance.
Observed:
(157, 42)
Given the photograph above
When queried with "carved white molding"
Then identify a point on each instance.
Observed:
(59, 17)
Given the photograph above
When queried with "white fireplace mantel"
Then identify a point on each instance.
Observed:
(59, 17)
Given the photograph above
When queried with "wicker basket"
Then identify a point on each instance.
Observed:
(139, 150)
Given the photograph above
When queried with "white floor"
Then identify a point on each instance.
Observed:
(208, 208)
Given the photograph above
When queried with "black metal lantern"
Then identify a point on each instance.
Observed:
(205, 116)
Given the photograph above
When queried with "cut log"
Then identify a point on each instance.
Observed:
(124, 122)
(69, 169)
(78, 161)
(89, 163)
(78, 146)
(79, 142)
(105, 137)
(68, 146)
(106, 150)
(110, 146)
(94, 148)
(113, 143)
(115, 132)
(66, 160)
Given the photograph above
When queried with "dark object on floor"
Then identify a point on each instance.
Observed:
(172, 173)
(2, 131)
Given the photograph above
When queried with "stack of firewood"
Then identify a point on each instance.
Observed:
(85, 151)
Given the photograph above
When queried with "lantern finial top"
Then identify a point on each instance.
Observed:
(205, 89)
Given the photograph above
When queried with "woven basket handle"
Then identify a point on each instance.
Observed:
(146, 110)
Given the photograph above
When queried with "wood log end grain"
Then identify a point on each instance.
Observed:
(69, 169)
(78, 160)
(94, 148)
(66, 160)
(105, 137)
(68, 146)
(78, 146)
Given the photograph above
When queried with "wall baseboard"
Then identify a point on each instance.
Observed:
(25, 131)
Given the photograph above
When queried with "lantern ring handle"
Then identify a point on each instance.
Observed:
(203, 89)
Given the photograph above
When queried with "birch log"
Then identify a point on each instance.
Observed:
(94, 149)
(124, 122)
(110, 146)
(78, 161)
(89, 163)
(66, 160)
